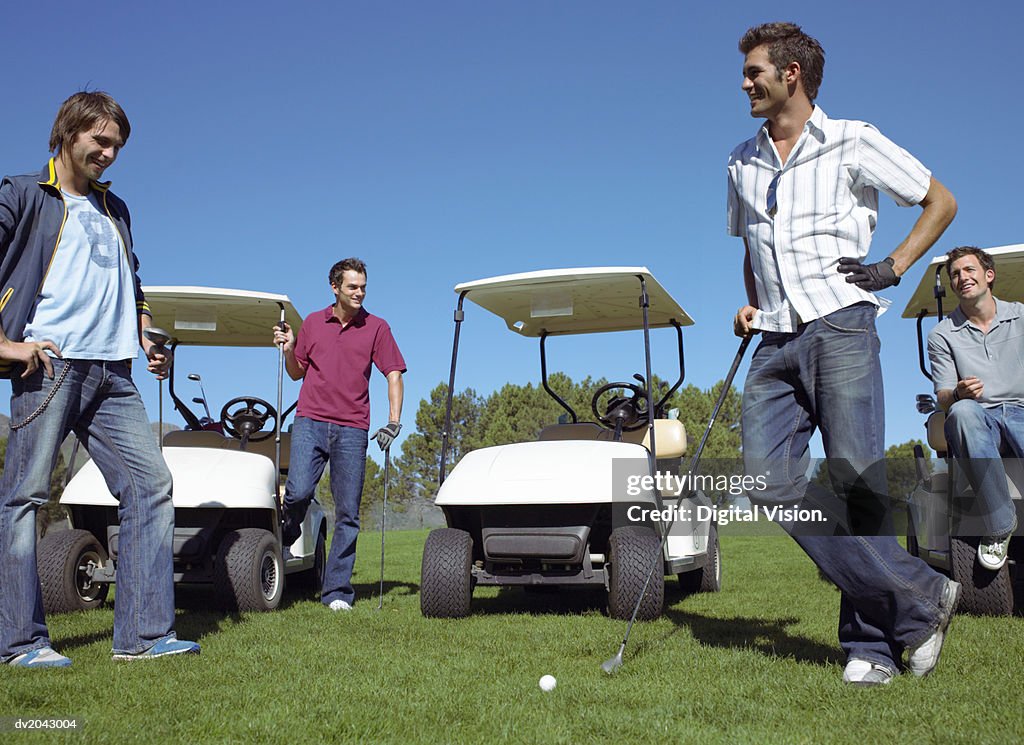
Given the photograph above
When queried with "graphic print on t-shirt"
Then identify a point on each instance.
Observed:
(103, 246)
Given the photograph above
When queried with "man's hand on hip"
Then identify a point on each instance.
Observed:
(31, 354)
(387, 434)
(869, 277)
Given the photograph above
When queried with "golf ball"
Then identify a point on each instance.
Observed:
(548, 683)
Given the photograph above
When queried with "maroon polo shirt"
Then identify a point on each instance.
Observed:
(337, 361)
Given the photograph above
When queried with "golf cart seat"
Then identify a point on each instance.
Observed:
(669, 435)
(936, 427)
(185, 438)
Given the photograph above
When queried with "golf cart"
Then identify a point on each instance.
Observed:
(227, 476)
(943, 524)
(557, 511)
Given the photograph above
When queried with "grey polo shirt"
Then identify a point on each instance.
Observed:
(958, 349)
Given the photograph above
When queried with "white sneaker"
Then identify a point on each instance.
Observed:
(923, 658)
(992, 552)
(865, 673)
(340, 605)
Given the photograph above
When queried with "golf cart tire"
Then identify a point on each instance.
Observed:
(248, 574)
(59, 557)
(707, 578)
(446, 581)
(985, 593)
(312, 580)
(632, 550)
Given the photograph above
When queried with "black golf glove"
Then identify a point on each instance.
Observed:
(387, 434)
(870, 277)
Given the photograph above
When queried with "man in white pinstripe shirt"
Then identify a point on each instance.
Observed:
(803, 195)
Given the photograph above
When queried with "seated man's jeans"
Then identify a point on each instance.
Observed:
(314, 444)
(977, 437)
(827, 375)
(98, 402)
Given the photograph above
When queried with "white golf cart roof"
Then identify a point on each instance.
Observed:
(1009, 282)
(212, 316)
(575, 301)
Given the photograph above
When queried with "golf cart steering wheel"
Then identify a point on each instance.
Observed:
(248, 419)
(631, 411)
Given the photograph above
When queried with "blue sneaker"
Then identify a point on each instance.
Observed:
(166, 647)
(43, 657)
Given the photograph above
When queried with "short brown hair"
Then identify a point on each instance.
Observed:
(82, 111)
(787, 43)
(345, 265)
(984, 258)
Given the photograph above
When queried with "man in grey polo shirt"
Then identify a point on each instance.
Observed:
(977, 357)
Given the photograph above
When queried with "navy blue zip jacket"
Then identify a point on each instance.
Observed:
(32, 216)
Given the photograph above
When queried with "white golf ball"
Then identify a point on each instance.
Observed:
(548, 683)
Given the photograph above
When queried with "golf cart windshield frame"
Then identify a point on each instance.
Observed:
(652, 409)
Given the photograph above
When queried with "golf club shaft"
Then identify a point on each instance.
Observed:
(383, 522)
(160, 417)
(612, 664)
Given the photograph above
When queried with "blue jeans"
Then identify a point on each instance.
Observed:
(314, 444)
(98, 402)
(977, 436)
(827, 375)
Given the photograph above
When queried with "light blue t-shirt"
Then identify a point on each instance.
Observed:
(87, 303)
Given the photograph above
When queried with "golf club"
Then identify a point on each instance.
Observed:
(160, 338)
(195, 377)
(383, 517)
(613, 664)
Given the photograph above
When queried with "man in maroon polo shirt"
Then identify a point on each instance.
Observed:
(333, 355)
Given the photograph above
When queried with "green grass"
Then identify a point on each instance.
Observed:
(758, 662)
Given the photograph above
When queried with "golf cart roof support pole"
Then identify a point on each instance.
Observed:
(940, 291)
(277, 419)
(186, 413)
(920, 344)
(645, 304)
(682, 366)
(460, 315)
(544, 379)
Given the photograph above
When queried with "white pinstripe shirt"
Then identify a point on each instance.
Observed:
(827, 207)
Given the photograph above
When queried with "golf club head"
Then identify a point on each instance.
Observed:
(610, 666)
(156, 335)
(195, 377)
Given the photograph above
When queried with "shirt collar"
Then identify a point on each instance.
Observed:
(1004, 312)
(357, 320)
(48, 177)
(815, 125)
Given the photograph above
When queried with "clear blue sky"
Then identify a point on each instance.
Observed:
(449, 141)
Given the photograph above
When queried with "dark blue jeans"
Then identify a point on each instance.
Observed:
(827, 375)
(314, 444)
(99, 402)
(977, 437)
